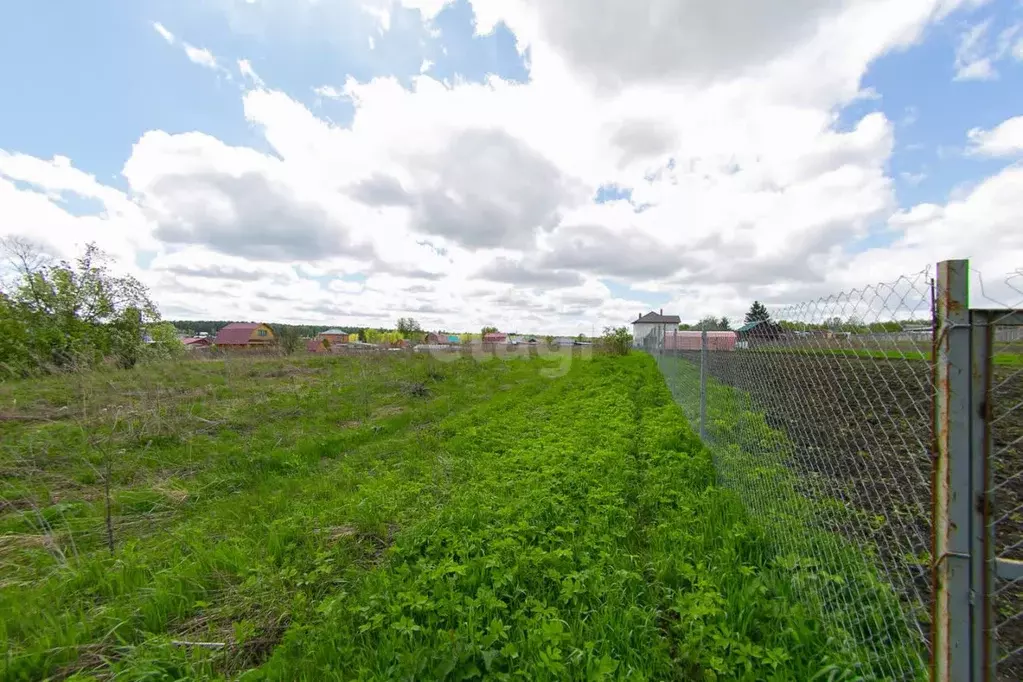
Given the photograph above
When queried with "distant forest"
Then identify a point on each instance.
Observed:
(211, 327)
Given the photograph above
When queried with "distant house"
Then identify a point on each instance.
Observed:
(648, 330)
(193, 342)
(337, 336)
(245, 335)
(495, 337)
(441, 339)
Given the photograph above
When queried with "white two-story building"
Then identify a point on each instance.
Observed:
(648, 330)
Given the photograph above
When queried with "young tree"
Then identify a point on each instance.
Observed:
(66, 315)
(708, 323)
(488, 330)
(757, 312)
(408, 327)
(724, 324)
(288, 338)
(616, 341)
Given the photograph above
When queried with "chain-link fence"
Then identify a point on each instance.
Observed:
(822, 417)
(1001, 347)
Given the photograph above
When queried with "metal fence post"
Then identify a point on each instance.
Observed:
(703, 385)
(951, 487)
(981, 532)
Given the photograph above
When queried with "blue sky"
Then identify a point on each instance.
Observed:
(89, 81)
(95, 76)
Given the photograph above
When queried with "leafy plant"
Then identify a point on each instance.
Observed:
(615, 341)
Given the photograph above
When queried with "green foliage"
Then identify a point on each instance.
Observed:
(409, 329)
(163, 342)
(615, 341)
(288, 338)
(757, 312)
(69, 315)
(487, 330)
(711, 324)
(836, 579)
(382, 337)
(323, 523)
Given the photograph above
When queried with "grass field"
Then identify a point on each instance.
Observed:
(384, 518)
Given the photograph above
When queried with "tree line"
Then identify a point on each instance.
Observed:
(758, 312)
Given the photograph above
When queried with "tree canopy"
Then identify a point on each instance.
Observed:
(757, 313)
(409, 328)
(63, 315)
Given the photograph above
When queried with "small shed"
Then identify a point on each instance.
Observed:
(763, 330)
(193, 342)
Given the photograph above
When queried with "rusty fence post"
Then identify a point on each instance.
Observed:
(952, 511)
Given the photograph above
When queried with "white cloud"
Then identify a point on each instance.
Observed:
(246, 70)
(164, 33)
(1005, 139)
(329, 91)
(971, 62)
(977, 55)
(200, 56)
(913, 178)
(470, 203)
(425, 66)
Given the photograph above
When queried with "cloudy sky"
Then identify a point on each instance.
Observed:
(542, 166)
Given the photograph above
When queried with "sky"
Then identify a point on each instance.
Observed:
(550, 167)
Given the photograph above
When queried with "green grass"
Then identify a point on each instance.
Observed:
(837, 578)
(385, 518)
(1005, 359)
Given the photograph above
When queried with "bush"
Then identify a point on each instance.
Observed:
(65, 316)
(615, 341)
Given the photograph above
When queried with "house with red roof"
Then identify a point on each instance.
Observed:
(245, 335)
(193, 342)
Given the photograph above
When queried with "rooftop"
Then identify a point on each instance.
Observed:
(658, 318)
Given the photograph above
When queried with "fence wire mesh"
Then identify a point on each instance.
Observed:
(1005, 397)
(820, 419)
